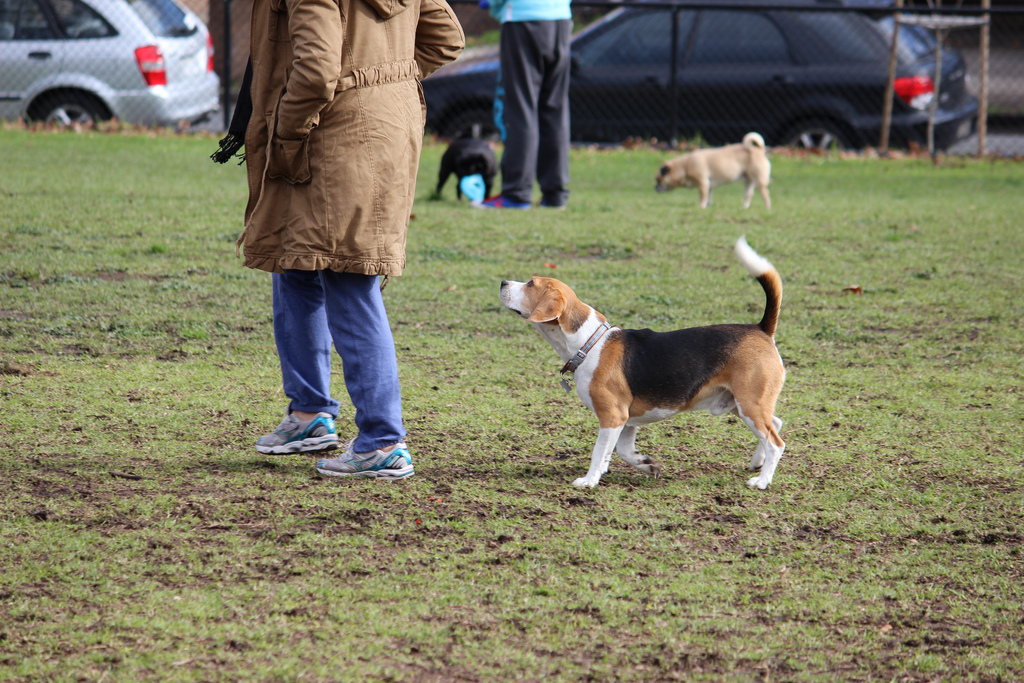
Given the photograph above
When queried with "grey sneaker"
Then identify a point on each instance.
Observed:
(295, 436)
(373, 465)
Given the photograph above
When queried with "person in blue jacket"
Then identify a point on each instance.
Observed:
(531, 105)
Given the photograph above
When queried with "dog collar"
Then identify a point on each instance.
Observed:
(570, 367)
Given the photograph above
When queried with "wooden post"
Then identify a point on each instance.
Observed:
(940, 35)
(883, 142)
(983, 103)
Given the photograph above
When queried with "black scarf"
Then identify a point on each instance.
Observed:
(235, 139)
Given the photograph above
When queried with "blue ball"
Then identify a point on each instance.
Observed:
(473, 187)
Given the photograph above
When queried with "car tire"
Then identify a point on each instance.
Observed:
(476, 123)
(68, 107)
(818, 134)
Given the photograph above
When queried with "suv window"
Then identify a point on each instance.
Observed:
(915, 42)
(643, 39)
(725, 37)
(78, 20)
(839, 32)
(164, 18)
(24, 20)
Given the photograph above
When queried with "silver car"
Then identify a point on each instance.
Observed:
(140, 61)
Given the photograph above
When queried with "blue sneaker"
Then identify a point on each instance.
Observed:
(393, 463)
(296, 436)
(503, 202)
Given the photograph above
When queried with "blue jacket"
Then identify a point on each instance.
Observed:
(530, 10)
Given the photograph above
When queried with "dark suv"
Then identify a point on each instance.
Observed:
(810, 76)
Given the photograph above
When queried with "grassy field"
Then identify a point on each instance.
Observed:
(143, 538)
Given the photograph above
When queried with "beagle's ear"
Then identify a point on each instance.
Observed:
(549, 308)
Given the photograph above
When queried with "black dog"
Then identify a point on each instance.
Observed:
(468, 156)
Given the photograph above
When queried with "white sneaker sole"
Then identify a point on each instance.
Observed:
(403, 473)
(316, 443)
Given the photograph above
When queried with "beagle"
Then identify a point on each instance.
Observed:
(631, 378)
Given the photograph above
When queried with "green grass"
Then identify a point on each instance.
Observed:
(142, 538)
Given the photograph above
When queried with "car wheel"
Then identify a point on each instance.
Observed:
(476, 123)
(68, 107)
(817, 134)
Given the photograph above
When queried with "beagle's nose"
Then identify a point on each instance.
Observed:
(504, 284)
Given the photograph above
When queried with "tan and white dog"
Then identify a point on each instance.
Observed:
(706, 169)
(631, 378)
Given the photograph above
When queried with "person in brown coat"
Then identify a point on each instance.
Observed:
(332, 149)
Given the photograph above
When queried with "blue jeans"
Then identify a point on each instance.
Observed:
(312, 308)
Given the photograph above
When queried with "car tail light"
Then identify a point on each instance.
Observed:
(209, 52)
(915, 91)
(151, 64)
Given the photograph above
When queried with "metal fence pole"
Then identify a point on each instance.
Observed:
(226, 77)
(983, 99)
(673, 86)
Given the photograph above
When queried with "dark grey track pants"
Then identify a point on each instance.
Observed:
(531, 109)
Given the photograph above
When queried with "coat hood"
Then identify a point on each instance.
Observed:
(389, 8)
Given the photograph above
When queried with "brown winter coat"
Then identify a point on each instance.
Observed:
(333, 145)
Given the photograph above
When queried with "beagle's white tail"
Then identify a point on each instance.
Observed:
(771, 282)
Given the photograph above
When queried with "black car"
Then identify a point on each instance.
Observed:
(813, 76)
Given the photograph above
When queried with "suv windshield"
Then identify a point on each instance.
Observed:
(164, 18)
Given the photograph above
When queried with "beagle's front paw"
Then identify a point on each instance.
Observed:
(759, 483)
(586, 482)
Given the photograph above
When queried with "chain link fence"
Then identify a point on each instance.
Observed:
(800, 72)
(810, 74)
